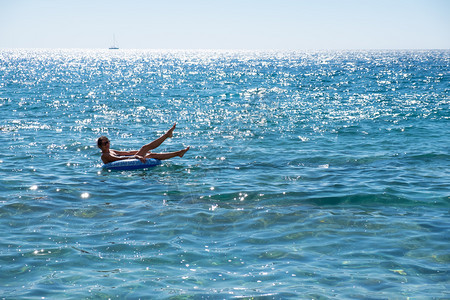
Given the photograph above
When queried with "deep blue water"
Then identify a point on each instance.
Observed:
(315, 175)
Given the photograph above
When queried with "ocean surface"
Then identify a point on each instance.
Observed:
(311, 175)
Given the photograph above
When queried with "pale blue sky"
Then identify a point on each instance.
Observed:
(227, 24)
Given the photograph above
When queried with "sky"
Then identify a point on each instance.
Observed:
(226, 24)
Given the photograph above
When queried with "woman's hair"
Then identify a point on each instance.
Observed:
(100, 141)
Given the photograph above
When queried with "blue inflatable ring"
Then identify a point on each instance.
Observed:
(131, 164)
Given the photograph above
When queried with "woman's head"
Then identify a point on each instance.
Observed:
(103, 140)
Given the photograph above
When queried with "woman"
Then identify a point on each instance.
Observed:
(110, 155)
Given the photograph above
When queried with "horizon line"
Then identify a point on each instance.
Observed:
(226, 49)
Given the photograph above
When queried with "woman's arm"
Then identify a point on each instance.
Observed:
(123, 153)
(108, 157)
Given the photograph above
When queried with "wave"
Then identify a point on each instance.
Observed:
(283, 199)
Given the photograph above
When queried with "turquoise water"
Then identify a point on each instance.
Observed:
(315, 175)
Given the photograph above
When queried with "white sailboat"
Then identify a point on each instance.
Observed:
(114, 46)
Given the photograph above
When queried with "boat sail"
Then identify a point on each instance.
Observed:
(114, 46)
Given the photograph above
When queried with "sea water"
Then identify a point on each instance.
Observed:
(315, 175)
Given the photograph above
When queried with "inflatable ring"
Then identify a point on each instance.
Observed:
(131, 164)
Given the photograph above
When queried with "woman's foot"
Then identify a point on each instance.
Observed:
(170, 132)
(182, 152)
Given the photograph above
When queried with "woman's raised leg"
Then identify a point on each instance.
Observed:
(152, 145)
